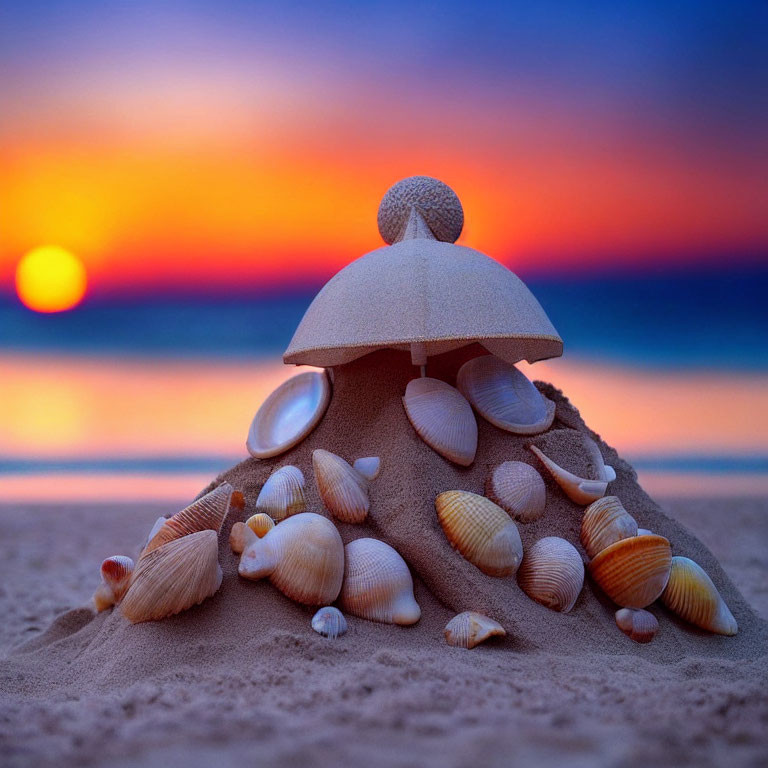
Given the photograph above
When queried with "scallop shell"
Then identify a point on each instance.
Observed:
(633, 572)
(481, 531)
(368, 466)
(329, 622)
(691, 594)
(239, 537)
(605, 522)
(260, 524)
(283, 494)
(469, 629)
(637, 624)
(303, 557)
(174, 577)
(517, 488)
(442, 418)
(116, 573)
(377, 584)
(503, 395)
(289, 414)
(343, 489)
(552, 573)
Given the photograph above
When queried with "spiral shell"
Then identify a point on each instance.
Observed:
(329, 622)
(470, 628)
(283, 494)
(552, 573)
(343, 489)
(116, 573)
(260, 524)
(517, 488)
(637, 624)
(605, 522)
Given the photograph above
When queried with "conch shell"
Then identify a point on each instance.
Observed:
(469, 629)
(260, 524)
(343, 489)
(518, 489)
(329, 622)
(283, 494)
(605, 522)
(116, 573)
(552, 573)
(637, 624)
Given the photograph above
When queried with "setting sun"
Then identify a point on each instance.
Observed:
(50, 279)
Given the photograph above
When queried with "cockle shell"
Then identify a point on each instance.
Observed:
(633, 572)
(442, 418)
(329, 622)
(469, 629)
(343, 489)
(377, 584)
(517, 488)
(303, 557)
(605, 522)
(260, 524)
(691, 594)
(503, 395)
(289, 414)
(116, 573)
(481, 531)
(174, 577)
(637, 624)
(368, 467)
(552, 573)
(283, 494)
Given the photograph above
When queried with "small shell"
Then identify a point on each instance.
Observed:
(329, 622)
(116, 572)
(552, 573)
(637, 624)
(503, 395)
(238, 537)
(644, 532)
(377, 584)
(442, 418)
(605, 522)
(260, 524)
(469, 629)
(343, 489)
(517, 488)
(174, 577)
(283, 494)
(481, 531)
(691, 594)
(368, 466)
(633, 572)
(159, 523)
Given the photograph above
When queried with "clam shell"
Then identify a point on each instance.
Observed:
(329, 622)
(343, 489)
(368, 467)
(174, 577)
(633, 572)
(260, 524)
(289, 414)
(469, 629)
(116, 572)
(552, 573)
(637, 624)
(518, 489)
(283, 494)
(503, 395)
(377, 584)
(303, 557)
(481, 531)
(691, 594)
(239, 537)
(442, 418)
(605, 522)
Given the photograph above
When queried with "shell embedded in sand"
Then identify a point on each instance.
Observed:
(283, 494)
(633, 572)
(368, 466)
(260, 524)
(116, 573)
(442, 418)
(343, 489)
(481, 531)
(329, 622)
(303, 557)
(174, 577)
(552, 573)
(605, 522)
(503, 395)
(377, 584)
(289, 414)
(692, 595)
(518, 489)
(239, 537)
(470, 628)
(637, 624)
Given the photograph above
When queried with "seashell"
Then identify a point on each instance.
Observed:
(368, 466)
(303, 557)
(517, 488)
(469, 629)
(644, 532)
(239, 537)
(329, 622)
(503, 395)
(552, 573)
(174, 577)
(283, 494)
(481, 531)
(159, 523)
(633, 572)
(377, 584)
(691, 594)
(260, 524)
(442, 418)
(343, 489)
(605, 521)
(637, 624)
(289, 414)
(116, 573)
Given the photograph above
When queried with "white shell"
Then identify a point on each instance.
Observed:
(116, 574)
(644, 532)
(503, 395)
(283, 494)
(368, 466)
(289, 414)
(343, 489)
(329, 622)
(518, 489)
(470, 628)
(552, 573)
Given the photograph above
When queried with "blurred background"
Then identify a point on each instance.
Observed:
(177, 180)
